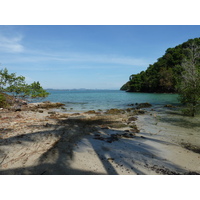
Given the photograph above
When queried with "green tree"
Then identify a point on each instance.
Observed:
(165, 74)
(17, 86)
(35, 90)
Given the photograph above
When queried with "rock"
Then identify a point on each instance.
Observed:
(90, 112)
(114, 137)
(98, 137)
(47, 125)
(140, 111)
(75, 114)
(24, 102)
(143, 105)
(134, 129)
(46, 105)
(169, 106)
(110, 159)
(130, 119)
(46, 102)
(130, 109)
(109, 140)
(132, 104)
(52, 113)
(115, 111)
(18, 116)
(104, 127)
(132, 134)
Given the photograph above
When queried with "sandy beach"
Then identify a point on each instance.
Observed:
(150, 141)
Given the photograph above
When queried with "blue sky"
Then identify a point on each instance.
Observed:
(92, 57)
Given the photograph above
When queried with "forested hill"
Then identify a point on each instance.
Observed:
(165, 74)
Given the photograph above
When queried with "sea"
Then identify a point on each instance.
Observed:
(84, 100)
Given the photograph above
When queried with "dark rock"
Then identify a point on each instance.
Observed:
(140, 111)
(47, 125)
(109, 140)
(46, 102)
(132, 134)
(134, 129)
(99, 138)
(132, 104)
(90, 112)
(75, 114)
(52, 113)
(191, 147)
(115, 111)
(169, 106)
(132, 119)
(143, 105)
(104, 127)
(18, 116)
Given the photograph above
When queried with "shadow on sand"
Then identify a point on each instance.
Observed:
(67, 133)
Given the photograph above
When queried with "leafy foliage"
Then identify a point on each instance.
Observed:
(163, 76)
(3, 102)
(17, 86)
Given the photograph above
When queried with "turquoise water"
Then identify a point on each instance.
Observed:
(83, 100)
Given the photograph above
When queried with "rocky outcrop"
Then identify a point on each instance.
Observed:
(45, 105)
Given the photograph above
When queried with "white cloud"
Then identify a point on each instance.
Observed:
(11, 44)
(75, 60)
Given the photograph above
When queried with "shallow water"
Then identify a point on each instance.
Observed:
(83, 100)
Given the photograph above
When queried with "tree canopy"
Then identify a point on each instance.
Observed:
(18, 88)
(164, 76)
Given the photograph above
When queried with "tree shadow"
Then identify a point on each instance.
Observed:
(67, 133)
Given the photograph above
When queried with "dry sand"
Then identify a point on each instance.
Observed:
(44, 142)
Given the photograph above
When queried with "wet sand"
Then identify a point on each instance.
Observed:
(150, 141)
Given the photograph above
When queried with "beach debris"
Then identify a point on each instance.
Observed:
(191, 147)
(114, 137)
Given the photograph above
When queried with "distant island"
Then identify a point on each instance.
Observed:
(164, 75)
(79, 89)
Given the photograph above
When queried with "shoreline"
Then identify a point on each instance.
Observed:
(118, 141)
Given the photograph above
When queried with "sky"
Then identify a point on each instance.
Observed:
(86, 56)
